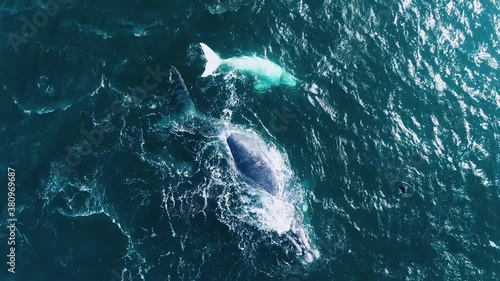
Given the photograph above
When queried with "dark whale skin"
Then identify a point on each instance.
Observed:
(252, 163)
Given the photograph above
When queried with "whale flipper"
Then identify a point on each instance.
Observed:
(213, 60)
(261, 86)
(183, 104)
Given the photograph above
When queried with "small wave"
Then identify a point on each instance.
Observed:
(221, 6)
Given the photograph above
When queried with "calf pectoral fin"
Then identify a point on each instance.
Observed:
(261, 86)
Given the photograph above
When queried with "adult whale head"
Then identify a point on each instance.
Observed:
(267, 72)
(301, 240)
(251, 161)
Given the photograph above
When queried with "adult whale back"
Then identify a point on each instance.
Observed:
(245, 149)
(252, 163)
(250, 160)
(267, 72)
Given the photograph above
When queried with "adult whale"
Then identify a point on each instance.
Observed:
(250, 159)
(267, 72)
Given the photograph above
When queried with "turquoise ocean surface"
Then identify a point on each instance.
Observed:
(390, 94)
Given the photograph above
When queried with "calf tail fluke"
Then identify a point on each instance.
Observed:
(213, 60)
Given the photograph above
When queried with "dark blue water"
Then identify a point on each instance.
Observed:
(390, 94)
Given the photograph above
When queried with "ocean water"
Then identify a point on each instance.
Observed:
(390, 94)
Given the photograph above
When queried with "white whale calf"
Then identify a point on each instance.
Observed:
(267, 72)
